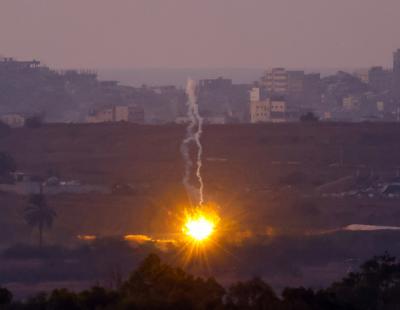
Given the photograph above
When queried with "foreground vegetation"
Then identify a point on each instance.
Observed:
(155, 285)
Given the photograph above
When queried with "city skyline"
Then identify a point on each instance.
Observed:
(206, 34)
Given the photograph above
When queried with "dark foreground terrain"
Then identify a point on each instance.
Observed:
(155, 285)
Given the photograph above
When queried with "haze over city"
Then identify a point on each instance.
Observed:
(201, 34)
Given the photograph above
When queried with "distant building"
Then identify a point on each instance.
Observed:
(396, 75)
(101, 116)
(379, 79)
(12, 64)
(215, 120)
(259, 111)
(278, 105)
(295, 82)
(276, 80)
(255, 94)
(281, 81)
(258, 94)
(136, 114)
(214, 84)
(209, 120)
(327, 115)
(299, 88)
(164, 89)
(350, 103)
(380, 106)
(117, 114)
(278, 110)
(120, 114)
(13, 120)
(270, 109)
(312, 90)
(362, 75)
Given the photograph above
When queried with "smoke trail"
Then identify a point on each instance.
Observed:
(199, 153)
(192, 135)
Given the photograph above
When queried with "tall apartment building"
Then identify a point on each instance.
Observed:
(214, 84)
(276, 80)
(255, 94)
(379, 79)
(299, 88)
(396, 75)
(281, 81)
(295, 82)
(312, 90)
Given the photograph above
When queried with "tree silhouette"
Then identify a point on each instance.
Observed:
(5, 296)
(253, 294)
(155, 285)
(375, 286)
(39, 214)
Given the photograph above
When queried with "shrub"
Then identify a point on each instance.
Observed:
(309, 117)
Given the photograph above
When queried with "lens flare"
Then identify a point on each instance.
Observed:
(199, 226)
(199, 229)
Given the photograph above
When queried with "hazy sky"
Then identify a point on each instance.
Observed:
(201, 33)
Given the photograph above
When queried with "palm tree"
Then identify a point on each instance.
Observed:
(39, 214)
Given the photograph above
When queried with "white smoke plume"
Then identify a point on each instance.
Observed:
(193, 135)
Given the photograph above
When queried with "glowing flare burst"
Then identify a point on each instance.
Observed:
(199, 229)
(199, 226)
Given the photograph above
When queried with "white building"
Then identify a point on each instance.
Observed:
(121, 114)
(13, 120)
(259, 111)
(268, 110)
(100, 116)
(380, 106)
(255, 94)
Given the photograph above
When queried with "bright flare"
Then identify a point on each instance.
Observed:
(199, 227)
